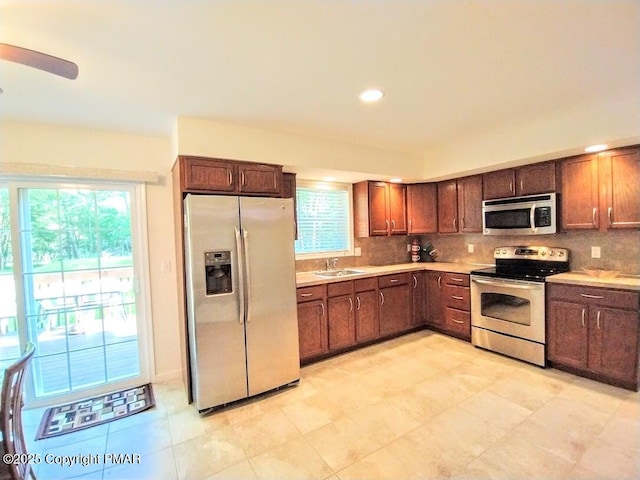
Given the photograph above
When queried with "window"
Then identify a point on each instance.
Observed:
(324, 219)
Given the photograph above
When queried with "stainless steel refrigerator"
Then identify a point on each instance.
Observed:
(241, 297)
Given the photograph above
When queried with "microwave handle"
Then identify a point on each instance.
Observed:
(532, 218)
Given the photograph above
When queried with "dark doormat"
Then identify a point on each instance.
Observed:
(95, 411)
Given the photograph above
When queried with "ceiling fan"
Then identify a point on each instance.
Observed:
(39, 60)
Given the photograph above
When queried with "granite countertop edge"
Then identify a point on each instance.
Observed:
(627, 282)
(308, 279)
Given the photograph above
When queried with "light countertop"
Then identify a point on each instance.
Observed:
(307, 279)
(628, 282)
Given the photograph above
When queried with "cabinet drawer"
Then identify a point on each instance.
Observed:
(458, 321)
(462, 280)
(340, 288)
(595, 296)
(457, 297)
(393, 280)
(364, 284)
(306, 294)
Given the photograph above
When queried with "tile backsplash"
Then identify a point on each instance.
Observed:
(620, 250)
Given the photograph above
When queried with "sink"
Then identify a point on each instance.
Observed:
(337, 273)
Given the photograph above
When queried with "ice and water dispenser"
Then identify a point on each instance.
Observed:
(217, 267)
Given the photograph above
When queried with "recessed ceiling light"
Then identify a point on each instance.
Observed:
(371, 95)
(395, 180)
(596, 148)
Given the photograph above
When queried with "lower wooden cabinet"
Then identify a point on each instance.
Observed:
(395, 303)
(312, 322)
(594, 332)
(367, 320)
(341, 315)
(449, 304)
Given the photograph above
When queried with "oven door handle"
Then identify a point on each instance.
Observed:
(507, 285)
(532, 218)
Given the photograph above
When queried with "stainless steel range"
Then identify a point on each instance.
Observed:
(508, 301)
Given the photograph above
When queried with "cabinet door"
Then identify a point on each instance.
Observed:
(342, 331)
(448, 206)
(202, 174)
(397, 194)
(614, 343)
(422, 208)
(378, 209)
(470, 204)
(367, 324)
(312, 329)
(419, 292)
(395, 309)
(435, 313)
(619, 187)
(499, 184)
(260, 179)
(567, 334)
(289, 191)
(580, 193)
(536, 178)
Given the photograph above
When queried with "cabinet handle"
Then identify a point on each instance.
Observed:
(387, 222)
(593, 216)
(511, 186)
(229, 176)
(522, 185)
(583, 318)
(242, 179)
(457, 321)
(462, 222)
(455, 223)
(381, 298)
(358, 303)
(586, 295)
(609, 210)
(456, 297)
(322, 308)
(410, 225)
(393, 280)
(393, 226)
(350, 305)
(415, 282)
(456, 279)
(304, 295)
(598, 320)
(439, 281)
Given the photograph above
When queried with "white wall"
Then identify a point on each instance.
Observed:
(305, 155)
(60, 146)
(615, 123)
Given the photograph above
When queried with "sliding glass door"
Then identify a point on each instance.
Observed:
(74, 268)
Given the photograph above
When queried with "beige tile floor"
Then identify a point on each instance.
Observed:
(423, 406)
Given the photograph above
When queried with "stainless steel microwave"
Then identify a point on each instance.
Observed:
(530, 215)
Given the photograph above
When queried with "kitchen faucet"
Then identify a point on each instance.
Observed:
(332, 263)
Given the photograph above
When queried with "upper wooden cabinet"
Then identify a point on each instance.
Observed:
(201, 174)
(379, 209)
(600, 191)
(460, 205)
(527, 180)
(422, 208)
(448, 206)
(470, 204)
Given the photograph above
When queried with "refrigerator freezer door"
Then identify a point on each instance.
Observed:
(272, 323)
(215, 324)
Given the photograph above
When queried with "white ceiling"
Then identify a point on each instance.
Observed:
(449, 68)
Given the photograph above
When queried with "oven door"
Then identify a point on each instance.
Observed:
(511, 307)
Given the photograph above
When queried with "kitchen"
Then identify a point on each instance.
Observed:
(91, 149)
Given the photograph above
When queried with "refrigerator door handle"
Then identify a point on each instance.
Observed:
(239, 253)
(247, 266)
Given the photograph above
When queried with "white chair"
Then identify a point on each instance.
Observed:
(11, 416)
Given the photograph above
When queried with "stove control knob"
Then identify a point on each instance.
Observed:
(497, 251)
(504, 252)
(552, 253)
(561, 253)
(543, 253)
